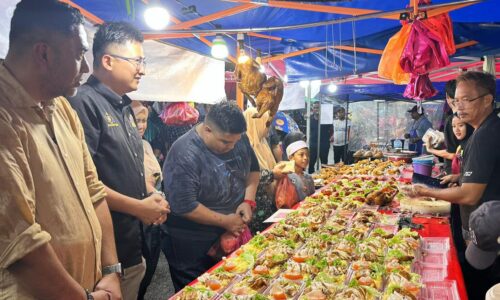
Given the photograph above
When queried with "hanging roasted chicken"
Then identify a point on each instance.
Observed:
(249, 77)
(269, 98)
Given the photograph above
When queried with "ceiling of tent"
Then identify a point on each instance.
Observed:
(477, 26)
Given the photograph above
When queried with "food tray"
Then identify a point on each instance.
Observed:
(435, 244)
(441, 290)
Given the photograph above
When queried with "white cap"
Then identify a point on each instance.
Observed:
(294, 147)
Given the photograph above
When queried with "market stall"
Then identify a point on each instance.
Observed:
(350, 240)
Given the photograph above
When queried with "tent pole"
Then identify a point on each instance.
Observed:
(346, 130)
(318, 158)
(308, 113)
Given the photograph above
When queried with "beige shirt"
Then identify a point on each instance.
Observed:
(151, 165)
(48, 185)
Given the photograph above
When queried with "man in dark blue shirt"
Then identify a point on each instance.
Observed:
(211, 177)
(115, 145)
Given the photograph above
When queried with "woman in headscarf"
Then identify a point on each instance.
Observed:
(152, 169)
(257, 133)
(151, 234)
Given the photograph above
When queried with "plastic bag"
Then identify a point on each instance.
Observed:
(179, 113)
(424, 51)
(228, 243)
(420, 88)
(389, 66)
(286, 194)
(442, 27)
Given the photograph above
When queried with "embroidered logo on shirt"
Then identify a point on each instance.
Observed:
(467, 173)
(110, 121)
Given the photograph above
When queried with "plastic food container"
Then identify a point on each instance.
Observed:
(441, 290)
(435, 244)
(433, 259)
(422, 168)
(430, 273)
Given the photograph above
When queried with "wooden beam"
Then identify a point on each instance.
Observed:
(166, 36)
(264, 36)
(312, 7)
(435, 11)
(466, 44)
(214, 16)
(291, 54)
(91, 17)
(360, 49)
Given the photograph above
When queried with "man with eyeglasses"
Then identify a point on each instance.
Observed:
(116, 147)
(480, 176)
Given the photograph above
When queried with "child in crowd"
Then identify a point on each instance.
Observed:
(299, 153)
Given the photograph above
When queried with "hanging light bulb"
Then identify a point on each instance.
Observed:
(157, 17)
(219, 47)
(285, 78)
(332, 87)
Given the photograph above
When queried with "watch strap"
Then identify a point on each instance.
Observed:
(116, 268)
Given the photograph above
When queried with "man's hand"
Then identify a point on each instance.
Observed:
(278, 170)
(152, 209)
(234, 223)
(413, 191)
(450, 180)
(245, 211)
(102, 295)
(110, 284)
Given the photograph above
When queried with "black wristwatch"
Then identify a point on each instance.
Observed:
(116, 268)
(89, 295)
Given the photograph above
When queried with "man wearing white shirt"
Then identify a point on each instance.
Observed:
(341, 131)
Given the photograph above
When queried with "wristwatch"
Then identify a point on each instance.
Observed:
(116, 268)
(89, 295)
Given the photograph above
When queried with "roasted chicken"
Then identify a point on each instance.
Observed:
(269, 98)
(250, 79)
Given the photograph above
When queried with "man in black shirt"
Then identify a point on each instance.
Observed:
(324, 139)
(211, 177)
(480, 176)
(115, 144)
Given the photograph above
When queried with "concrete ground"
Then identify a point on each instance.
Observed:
(161, 287)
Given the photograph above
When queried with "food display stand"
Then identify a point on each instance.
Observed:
(382, 259)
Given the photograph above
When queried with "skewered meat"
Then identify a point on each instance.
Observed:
(269, 98)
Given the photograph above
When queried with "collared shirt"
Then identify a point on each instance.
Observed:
(116, 147)
(48, 185)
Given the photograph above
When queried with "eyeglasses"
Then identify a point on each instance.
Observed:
(467, 101)
(138, 62)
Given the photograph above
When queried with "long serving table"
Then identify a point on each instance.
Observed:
(433, 227)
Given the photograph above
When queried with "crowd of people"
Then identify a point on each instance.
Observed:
(87, 208)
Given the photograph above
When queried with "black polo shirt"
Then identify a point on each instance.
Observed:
(482, 163)
(117, 151)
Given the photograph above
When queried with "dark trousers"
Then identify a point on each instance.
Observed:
(187, 258)
(313, 156)
(339, 153)
(477, 282)
(152, 237)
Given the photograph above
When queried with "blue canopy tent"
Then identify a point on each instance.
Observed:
(479, 22)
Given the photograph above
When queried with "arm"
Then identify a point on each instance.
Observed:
(148, 210)
(252, 183)
(43, 274)
(441, 153)
(466, 194)
(203, 215)
(111, 282)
